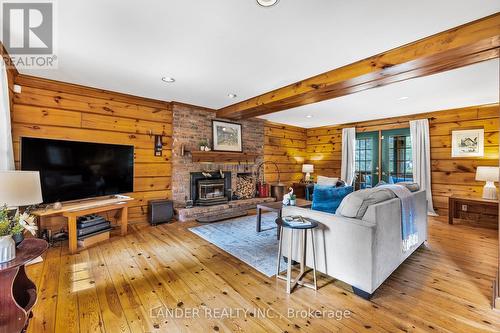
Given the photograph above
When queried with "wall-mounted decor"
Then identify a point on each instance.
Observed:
(226, 136)
(467, 143)
(158, 145)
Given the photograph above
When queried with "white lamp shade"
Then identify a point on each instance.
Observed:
(20, 188)
(487, 174)
(307, 168)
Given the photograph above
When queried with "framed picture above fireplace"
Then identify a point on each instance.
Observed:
(226, 136)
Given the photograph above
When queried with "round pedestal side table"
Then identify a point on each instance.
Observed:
(302, 243)
(17, 291)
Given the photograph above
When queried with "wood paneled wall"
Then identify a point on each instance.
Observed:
(11, 74)
(56, 110)
(285, 145)
(449, 176)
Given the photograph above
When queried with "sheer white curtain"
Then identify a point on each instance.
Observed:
(6, 150)
(347, 171)
(421, 151)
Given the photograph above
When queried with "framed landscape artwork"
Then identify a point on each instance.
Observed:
(226, 136)
(467, 143)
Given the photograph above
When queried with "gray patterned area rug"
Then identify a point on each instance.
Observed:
(239, 238)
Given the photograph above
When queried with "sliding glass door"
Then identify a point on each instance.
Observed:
(367, 160)
(397, 161)
(383, 155)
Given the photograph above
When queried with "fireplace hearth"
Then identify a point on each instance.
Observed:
(210, 188)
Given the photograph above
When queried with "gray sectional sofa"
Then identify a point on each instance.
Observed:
(362, 252)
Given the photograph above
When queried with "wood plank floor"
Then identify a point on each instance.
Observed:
(130, 283)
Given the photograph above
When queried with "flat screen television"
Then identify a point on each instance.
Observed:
(71, 170)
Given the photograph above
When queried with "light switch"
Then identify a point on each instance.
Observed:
(464, 208)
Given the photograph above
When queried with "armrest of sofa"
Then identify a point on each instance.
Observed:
(387, 245)
(325, 218)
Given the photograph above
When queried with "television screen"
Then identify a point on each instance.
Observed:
(71, 170)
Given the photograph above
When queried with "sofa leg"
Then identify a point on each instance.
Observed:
(362, 293)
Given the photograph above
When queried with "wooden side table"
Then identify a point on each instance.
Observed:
(479, 211)
(303, 190)
(299, 189)
(17, 291)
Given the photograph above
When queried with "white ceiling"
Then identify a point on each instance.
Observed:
(213, 48)
(472, 85)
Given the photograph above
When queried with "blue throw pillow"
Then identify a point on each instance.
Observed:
(327, 198)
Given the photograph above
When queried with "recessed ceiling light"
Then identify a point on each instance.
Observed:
(267, 3)
(403, 98)
(309, 116)
(232, 95)
(168, 79)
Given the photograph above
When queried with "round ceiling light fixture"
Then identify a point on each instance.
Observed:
(267, 3)
(168, 79)
(309, 116)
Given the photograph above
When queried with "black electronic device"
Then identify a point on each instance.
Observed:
(160, 211)
(71, 170)
(89, 220)
(59, 236)
(92, 229)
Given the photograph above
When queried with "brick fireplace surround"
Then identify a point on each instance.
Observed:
(192, 125)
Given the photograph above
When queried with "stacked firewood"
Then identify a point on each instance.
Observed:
(245, 187)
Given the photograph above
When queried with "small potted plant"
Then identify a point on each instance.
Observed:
(293, 200)
(13, 227)
(203, 144)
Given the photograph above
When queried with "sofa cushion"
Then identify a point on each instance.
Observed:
(351, 204)
(350, 207)
(340, 183)
(356, 203)
(328, 198)
(322, 180)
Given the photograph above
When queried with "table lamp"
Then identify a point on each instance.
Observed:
(307, 169)
(489, 175)
(20, 188)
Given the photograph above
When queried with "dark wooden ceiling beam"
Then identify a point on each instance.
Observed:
(467, 44)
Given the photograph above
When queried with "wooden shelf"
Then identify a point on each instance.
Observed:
(223, 157)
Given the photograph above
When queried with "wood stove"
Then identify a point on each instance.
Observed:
(210, 190)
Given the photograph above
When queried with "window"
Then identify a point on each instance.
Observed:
(397, 161)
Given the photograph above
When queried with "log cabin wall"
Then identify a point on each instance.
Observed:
(285, 145)
(56, 110)
(449, 175)
(11, 74)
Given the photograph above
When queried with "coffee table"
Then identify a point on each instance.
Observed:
(276, 207)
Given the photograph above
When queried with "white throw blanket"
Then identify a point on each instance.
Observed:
(409, 232)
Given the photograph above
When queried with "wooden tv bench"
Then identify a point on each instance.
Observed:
(72, 210)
